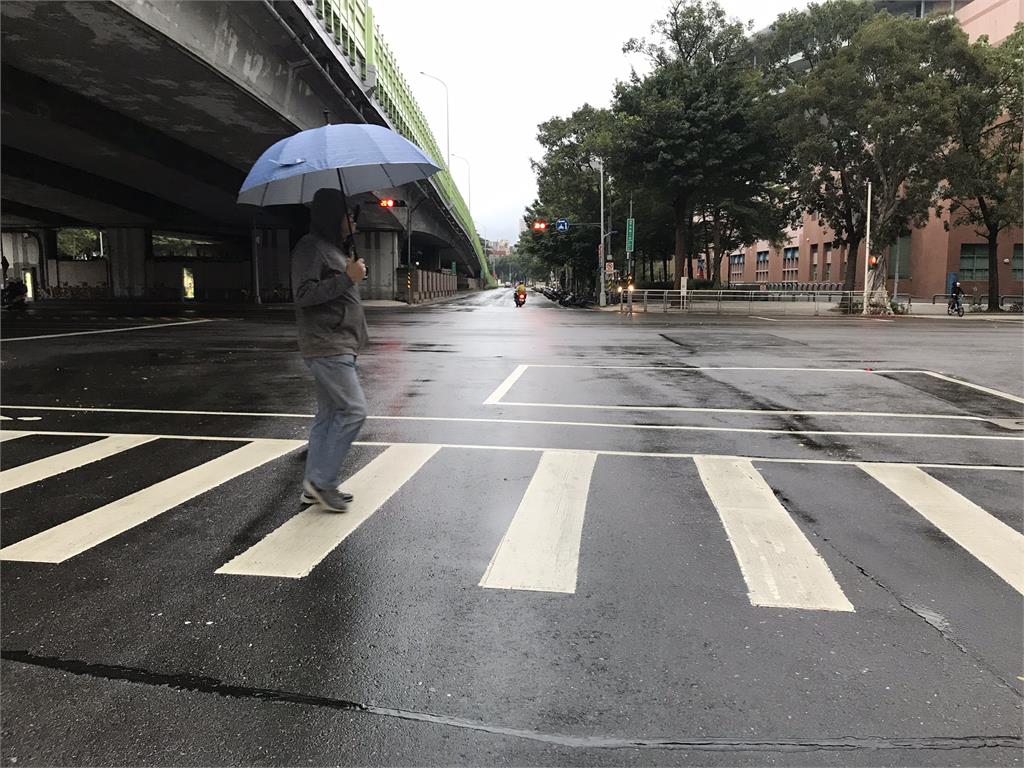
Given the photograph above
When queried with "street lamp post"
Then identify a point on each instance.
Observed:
(867, 256)
(603, 299)
(469, 169)
(447, 119)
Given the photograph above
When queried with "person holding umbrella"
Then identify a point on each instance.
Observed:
(321, 166)
(332, 331)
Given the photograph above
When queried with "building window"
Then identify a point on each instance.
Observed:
(826, 272)
(973, 261)
(790, 264)
(899, 255)
(762, 267)
(736, 264)
(814, 262)
(1018, 261)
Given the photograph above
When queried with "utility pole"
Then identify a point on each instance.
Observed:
(603, 300)
(867, 254)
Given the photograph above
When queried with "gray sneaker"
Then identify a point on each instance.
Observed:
(330, 499)
(307, 499)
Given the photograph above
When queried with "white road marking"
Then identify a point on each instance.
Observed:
(75, 536)
(992, 541)
(988, 390)
(769, 319)
(710, 368)
(67, 460)
(780, 566)
(298, 546)
(106, 330)
(505, 386)
(754, 411)
(11, 434)
(539, 449)
(541, 548)
(611, 425)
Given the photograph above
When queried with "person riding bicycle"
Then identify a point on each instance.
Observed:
(954, 295)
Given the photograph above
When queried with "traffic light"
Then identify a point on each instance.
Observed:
(540, 226)
(872, 262)
(390, 202)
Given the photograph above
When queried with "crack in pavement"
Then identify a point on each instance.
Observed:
(934, 620)
(200, 684)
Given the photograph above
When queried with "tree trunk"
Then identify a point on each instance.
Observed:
(851, 263)
(993, 272)
(683, 223)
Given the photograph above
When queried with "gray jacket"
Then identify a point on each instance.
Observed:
(330, 316)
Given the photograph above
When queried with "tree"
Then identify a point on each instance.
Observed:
(73, 242)
(876, 110)
(982, 165)
(698, 128)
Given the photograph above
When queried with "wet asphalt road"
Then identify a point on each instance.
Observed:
(135, 651)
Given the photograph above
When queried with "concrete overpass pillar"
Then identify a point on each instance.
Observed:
(128, 250)
(380, 249)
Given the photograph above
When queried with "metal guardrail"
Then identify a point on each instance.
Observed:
(983, 299)
(729, 302)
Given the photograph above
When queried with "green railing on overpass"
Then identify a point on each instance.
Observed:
(350, 24)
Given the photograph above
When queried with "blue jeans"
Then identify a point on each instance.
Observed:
(341, 411)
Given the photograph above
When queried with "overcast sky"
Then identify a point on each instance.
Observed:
(511, 66)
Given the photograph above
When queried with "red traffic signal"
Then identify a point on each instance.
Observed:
(872, 262)
(540, 226)
(390, 202)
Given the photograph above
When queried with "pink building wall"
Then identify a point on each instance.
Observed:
(934, 250)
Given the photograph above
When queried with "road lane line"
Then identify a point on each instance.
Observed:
(75, 536)
(992, 541)
(503, 388)
(12, 434)
(611, 425)
(106, 330)
(298, 546)
(541, 548)
(987, 390)
(67, 460)
(754, 411)
(536, 449)
(711, 368)
(769, 319)
(780, 566)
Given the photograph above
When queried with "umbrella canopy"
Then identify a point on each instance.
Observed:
(350, 157)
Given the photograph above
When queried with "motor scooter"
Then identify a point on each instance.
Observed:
(520, 298)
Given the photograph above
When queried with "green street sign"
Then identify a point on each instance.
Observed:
(630, 228)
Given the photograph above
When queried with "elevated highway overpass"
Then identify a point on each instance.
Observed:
(143, 116)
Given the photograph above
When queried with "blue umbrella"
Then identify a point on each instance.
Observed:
(351, 157)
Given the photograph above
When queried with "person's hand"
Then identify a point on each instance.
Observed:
(356, 270)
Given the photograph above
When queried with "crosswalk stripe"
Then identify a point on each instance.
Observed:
(298, 546)
(541, 548)
(989, 539)
(73, 537)
(10, 434)
(780, 566)
(68, 460)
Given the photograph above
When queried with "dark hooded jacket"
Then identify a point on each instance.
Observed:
(330, 316)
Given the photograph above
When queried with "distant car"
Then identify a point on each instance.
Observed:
(508, 285)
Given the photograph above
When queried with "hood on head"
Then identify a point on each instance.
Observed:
(326, 215)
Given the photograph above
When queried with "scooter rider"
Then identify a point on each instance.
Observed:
(955, 294)
(520, 295)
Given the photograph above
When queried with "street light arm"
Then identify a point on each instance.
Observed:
(447, 117)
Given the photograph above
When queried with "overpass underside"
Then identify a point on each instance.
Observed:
(138, 117)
